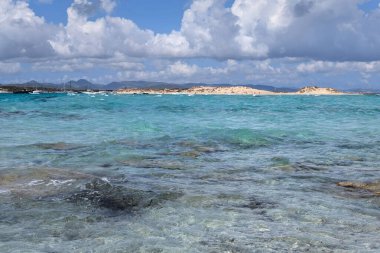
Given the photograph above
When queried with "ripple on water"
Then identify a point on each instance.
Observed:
(205, 174)
(59, 146)
(79, 188)
(243, 138)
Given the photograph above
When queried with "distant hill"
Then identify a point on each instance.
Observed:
(162, 85)
(140, 84)
(33, 84)
(272, 88)
(364, 91)
(83, 84)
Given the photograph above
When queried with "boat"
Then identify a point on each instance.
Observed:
(71, 93)
(36, 92)
(89, 92)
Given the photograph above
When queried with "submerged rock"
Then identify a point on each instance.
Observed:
(101, 194)
(152, 164)
(59, 146)
(282, 163)
(373, 187)
(79, 188)
(39, 183)
(255, 203)
(190, 154)
(308, 166)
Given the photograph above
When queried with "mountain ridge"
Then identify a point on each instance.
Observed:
(83, 84)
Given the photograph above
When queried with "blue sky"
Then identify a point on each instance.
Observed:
(159, 16)
(292, 43)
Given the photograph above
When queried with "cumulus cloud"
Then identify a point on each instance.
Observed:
(22, 33)
(103, 38)
(62, 65)
(322, 35)
(328, 66)
(332, 30)
(87, 8)
(229, 71)
(210, 29)
(75, 64)
(108, 5)
(325, 29)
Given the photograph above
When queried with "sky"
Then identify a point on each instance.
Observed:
(292, 43)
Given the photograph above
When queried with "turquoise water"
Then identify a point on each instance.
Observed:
(206, 173)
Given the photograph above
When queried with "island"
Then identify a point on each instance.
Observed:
(230, 90)
(192, 90)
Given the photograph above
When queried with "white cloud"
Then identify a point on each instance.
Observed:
(22, 33)
(75, 64)
(62, 65)
(325, 29)
(229, 71)
(103, 38)
(327, 66)
(183, 69)
(108, 5)
(9, 68)
(333, 30)
(256, 41)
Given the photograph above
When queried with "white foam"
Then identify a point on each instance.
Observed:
(4, 191)
(59, 182)
(105, 179)
(35, 182)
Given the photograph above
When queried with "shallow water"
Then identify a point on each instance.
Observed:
(208, 173)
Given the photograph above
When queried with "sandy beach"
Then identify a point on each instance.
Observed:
(235, 90)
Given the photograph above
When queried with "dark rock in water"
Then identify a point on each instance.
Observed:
(151, 164)
(359, 145)
(191, 154)
(102, 194)
(373, 187)
(282, 163)
(106, 165)
(255, 203)
(59, 146)
(79, 188)
(307, 167)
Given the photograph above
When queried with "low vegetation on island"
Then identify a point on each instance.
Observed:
(162, 88)
(231, 90)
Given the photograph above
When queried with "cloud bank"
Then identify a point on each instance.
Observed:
(319, 32)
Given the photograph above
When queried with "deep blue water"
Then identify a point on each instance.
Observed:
(225, 173)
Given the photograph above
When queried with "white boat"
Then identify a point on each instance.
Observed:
(89, 92)
(36, 92)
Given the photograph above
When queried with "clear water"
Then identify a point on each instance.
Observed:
(245, 174)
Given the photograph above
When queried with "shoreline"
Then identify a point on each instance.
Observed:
(236, 90)
(196, 90)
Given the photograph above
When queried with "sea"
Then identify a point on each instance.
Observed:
(178, 173)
